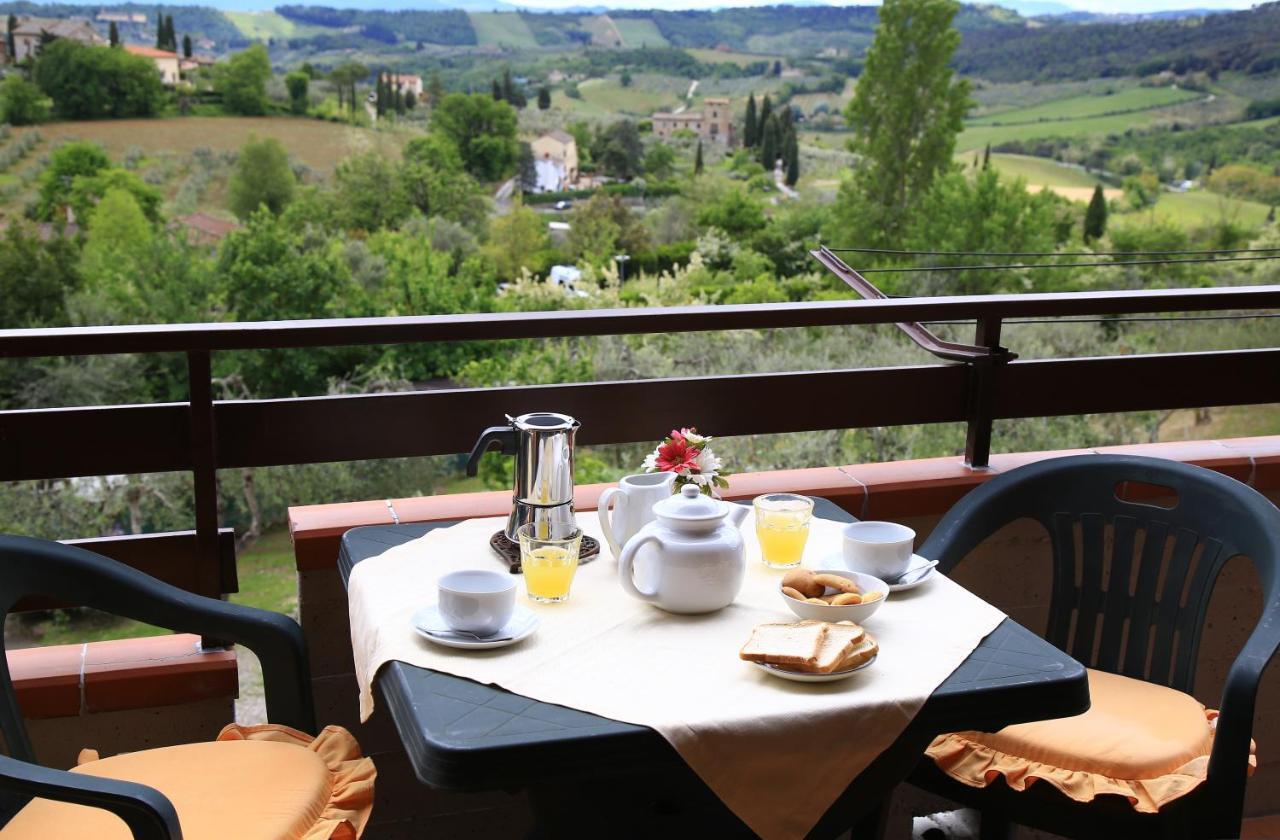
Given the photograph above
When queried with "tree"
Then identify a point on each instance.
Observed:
(436, 183)
(986, 157)
(113, 34)
(659, 161)
(527, 170)
(344, 78)
(35, 278)
(87, 82)
(514, 239)
(777, 67)
(435, 90)
(735, 212)
(410, 100)
(497, 91)
(297, 83)
(1095, 218)
(697, 160)
(242, 81)
(766, 109)
(21, 103)
(10, 26)
(87, 192)
(119, 237)
(186, 48)
(262, 178)
(482, 130)
(380, 94)
(159, 30)
(771, 143)
(544, 98)
(1142, 190)
(618, 150)
(68, 162)
(749, 124)
(905, 115)
(602, 227)
(625, 78)
(369, 193)
(791, 158)
(170, 34)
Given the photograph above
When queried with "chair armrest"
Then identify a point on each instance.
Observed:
(148, 812)
(78, 576)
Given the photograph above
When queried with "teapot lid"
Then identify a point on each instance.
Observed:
(689, 505)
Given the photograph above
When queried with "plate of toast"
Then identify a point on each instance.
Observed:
(810, 651)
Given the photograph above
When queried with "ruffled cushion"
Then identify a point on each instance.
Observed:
(1145, 742)
(253, 783)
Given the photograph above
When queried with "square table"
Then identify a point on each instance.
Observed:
(589, 774)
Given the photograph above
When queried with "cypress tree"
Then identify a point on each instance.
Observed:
(1095, 218)
(159, 31)
(544, 98)
(170, 34)
(508, 87)
(771, 145)
(697, 160)
(749, 125)
(186, 47)
(497, 91)
(766, 110)
(113, 34)
(1271, 216)
(410, 100)
(986, 158)
(792, 156)
(12, 24)
(399, 97)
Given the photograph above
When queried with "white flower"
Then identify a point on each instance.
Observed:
(708, 463)
(696, 440)
(651, 462)
(701, 479)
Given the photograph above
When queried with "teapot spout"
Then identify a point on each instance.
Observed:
(737, 514)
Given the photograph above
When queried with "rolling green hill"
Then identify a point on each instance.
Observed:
(502, 29)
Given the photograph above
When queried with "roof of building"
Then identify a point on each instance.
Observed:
(59, 27)
(560, 136)
(208, 225)
(149, 52)
(688, 116)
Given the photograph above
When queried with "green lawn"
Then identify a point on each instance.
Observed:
(640, 32)
(1076, 107)
(502, 29)
(978, 136)
(1039, 171)
(264, 25)
(605, 97)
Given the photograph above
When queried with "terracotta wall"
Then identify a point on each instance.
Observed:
(1010, 571)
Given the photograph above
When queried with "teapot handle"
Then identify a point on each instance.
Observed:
(602, 508)
(625, 562)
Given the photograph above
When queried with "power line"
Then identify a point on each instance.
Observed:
(1117, 320)
(1049, 253)
(1007, 266)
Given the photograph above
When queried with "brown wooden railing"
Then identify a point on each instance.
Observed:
(204, 434)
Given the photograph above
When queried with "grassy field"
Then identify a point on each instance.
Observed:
(320, 145)
(604, 97)
(978, 136)
(1040, 173)
(640, 32)
(604, 32)
(1200, 207)
(264, 25)
(1254, 123)
(740, 58)
(1076, 107)
(501, 29)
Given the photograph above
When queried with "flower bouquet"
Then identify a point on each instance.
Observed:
(688, 454)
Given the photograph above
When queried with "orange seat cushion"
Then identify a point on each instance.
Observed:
(279, 785)
(1139, 740)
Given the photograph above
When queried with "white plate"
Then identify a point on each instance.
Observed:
(801, 676)
(835, 560)
(521, 626)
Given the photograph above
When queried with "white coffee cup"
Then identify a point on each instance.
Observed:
(881, 549)
(477, 601)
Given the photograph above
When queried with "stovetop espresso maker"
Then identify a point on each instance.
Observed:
(543, 445)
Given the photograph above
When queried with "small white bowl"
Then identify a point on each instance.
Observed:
(857, 613)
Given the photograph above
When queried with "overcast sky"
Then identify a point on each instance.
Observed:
(1108, 6)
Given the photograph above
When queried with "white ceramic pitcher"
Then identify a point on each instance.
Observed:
(635, 497)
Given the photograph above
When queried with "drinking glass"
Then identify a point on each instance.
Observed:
(549, 558)
(782, 526)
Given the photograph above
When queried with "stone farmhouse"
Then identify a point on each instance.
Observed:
(714, 122)
(168, 63)
(32, 31)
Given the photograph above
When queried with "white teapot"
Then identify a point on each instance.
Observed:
(698, 564)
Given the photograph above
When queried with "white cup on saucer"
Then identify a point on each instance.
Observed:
(880, 549)
(477, 601)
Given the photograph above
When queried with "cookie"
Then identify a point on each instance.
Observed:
(844, 599)
(818, 601)
(840, 584)
(872, 596)
(803, 581)
(793, 593)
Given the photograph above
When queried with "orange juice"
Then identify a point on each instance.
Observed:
(548, 572)
(782, 527)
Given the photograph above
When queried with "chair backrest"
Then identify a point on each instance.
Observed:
(1132, 577)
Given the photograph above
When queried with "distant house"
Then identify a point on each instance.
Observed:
(31, 32)
(121, 17)
(408, 83)
(714, 122)
(555, 157)
(203, 229)
(166, 62)
(195, 62)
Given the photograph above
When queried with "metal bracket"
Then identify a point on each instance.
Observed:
(983, 358)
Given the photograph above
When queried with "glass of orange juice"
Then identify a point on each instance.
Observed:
(782, 527)
(549, 559)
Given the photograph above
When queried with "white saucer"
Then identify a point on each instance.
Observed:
(835, 560)
(521, 626)
(801, 676)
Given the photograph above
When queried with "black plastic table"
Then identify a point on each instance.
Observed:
(587, 774)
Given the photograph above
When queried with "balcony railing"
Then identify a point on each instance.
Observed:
(204, 435)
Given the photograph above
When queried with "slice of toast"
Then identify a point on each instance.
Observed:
(793, 645)
(840, 641)
(863, 651)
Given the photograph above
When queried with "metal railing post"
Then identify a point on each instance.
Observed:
(204, 473)
(983, 374)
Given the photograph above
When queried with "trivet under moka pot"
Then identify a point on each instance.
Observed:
(509, 552)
